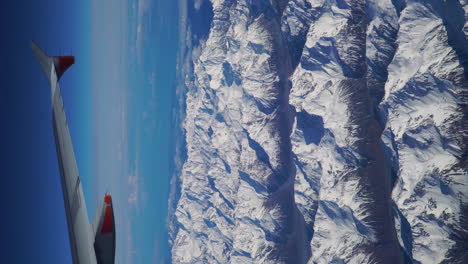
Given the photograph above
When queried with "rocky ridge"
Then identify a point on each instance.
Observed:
(325, 132)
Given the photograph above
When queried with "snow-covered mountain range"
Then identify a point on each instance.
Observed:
(323, 131)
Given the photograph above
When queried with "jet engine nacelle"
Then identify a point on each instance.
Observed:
(104, 232)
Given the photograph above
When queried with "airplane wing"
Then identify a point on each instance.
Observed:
(83, 242)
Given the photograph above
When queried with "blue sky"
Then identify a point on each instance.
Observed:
(33, 227)
(118, 99)
(133, 58)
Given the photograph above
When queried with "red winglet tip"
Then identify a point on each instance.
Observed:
(64, 62)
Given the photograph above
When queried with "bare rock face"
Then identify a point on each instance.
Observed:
(323, 132)
(425, 134)
(237, 184)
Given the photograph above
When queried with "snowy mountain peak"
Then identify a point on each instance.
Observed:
(324, 132)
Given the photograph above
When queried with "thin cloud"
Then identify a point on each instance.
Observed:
(144, 15)
(134, 187)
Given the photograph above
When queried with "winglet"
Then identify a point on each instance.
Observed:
(60, 63)
(45, 61)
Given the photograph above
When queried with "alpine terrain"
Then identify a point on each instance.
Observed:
(322, 131)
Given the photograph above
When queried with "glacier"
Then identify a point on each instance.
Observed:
(322, 131)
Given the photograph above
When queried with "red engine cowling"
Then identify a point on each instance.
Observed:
(104, 232)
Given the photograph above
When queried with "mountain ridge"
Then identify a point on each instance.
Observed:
(304, 124)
